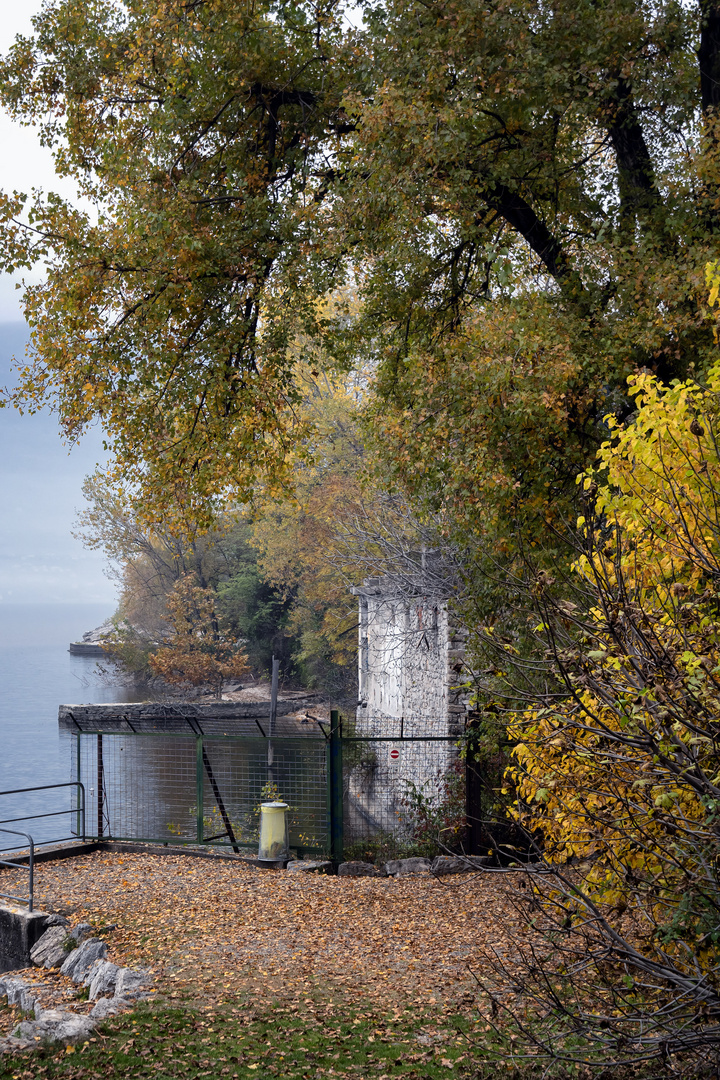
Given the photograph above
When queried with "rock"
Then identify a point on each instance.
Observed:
(458, 864)
(131, 983)
(104, 977)
(404, 867)
(56, 1025)
(78, 964)
(51, 950)
(449, 864)
(359, 869)
(312, 866)
(57, 920)
(11, 1045)
(81, 931)
(19, 994)
(108, 1007)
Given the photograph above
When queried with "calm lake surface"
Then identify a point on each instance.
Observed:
(37, 673)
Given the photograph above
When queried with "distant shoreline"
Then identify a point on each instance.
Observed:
(85, 648)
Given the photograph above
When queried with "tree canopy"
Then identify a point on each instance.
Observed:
(503, 183)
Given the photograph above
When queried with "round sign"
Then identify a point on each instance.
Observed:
(394, 754)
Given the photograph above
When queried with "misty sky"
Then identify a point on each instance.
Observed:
(40, 484)
(40, 491)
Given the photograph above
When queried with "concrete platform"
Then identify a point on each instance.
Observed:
(19, 930)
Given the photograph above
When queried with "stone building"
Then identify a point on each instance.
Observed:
(410, 664)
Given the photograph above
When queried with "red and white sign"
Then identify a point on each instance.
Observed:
(395, 755)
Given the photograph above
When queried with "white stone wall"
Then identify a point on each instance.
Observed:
(408, 652)
(403, 665)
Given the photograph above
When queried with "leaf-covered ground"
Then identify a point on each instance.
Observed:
(296, 974)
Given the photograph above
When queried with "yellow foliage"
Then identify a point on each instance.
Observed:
(621, 774)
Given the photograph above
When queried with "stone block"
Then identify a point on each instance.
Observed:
(19, 931)
(359, 869)
(80, 961)
(405, 867)
(50, 950)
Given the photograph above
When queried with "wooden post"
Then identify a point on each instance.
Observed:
(274, 693)
(273, 718)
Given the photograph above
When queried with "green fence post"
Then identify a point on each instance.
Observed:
(200, 786)
(335, 776)
(78, 777)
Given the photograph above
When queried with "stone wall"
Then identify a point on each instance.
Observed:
(409, 666)
(410, 660)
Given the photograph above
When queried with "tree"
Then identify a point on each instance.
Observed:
(616, 766)
(194, 133)
(149, 562)
(298, 533)
(199, 652)
(524, 197)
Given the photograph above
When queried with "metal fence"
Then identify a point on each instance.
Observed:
(196, 775)
(171, 788)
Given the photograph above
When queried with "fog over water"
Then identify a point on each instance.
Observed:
(40, 494)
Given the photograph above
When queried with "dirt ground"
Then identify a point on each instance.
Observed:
(214, 930)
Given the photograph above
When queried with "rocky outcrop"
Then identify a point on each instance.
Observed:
(91, 643)
(113, 988)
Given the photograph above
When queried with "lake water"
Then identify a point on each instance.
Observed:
(37, 673)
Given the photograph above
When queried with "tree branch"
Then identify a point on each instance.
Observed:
(520, 216)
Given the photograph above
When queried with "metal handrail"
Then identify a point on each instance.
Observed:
(79, 810)
(19, 866)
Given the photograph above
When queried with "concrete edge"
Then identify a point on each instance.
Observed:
(70, 851)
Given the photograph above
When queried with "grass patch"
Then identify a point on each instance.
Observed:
(310, 1040)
